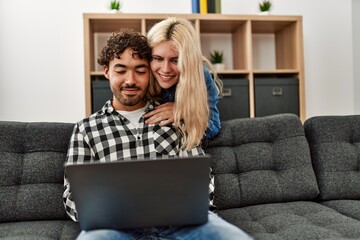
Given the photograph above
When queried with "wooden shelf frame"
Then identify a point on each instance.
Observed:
(287, 32)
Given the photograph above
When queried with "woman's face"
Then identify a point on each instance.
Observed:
(164, 64)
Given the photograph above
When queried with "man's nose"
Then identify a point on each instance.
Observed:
(130, 78)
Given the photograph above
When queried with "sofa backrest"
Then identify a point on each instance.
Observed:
(335, 149)
(31, 170)
(261, 160)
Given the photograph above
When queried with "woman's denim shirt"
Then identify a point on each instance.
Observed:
(168, 95)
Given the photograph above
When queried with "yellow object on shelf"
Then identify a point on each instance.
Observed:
(203, 6)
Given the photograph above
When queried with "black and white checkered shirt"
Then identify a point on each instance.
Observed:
(108, 136)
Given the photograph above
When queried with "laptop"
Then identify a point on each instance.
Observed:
(141, 193)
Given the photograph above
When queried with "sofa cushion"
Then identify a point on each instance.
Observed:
(39, 230)
(350, 208)
(31, 170)
(261, 160)
(292, 221)
(335, 149)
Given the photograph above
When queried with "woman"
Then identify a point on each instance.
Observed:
(184, 84)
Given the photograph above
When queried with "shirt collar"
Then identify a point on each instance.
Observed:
(109, 109)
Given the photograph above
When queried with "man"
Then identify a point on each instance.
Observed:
(118, 132)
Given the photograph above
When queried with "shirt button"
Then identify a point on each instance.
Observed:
(139, 138)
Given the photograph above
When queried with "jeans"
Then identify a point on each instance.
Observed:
(216, 228)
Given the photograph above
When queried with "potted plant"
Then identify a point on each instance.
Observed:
(114, 6)
(265, 7)
(217, 59)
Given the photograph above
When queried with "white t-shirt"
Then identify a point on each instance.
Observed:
(134, 116)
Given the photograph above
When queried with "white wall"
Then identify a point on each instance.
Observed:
(42, 58)
(356, 51)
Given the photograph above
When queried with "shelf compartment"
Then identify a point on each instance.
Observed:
(229, 36)
(278, 40)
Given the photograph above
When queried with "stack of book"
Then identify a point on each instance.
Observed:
(206, 6)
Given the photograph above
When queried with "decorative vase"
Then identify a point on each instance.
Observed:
(114, 11)
(264, 13)
(219, 66)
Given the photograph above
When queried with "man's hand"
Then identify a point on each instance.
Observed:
(162, 114)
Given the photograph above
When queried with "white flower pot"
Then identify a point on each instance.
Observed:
(264, 13)
(219, 66)
(114, 11)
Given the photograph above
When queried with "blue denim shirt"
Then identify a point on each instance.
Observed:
(168, 95)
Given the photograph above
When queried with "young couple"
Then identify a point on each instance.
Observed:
(133, 125)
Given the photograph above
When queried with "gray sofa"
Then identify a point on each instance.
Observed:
(31, 181)
(278, 179)
(275, 178)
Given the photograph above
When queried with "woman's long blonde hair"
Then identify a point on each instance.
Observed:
(191, 111)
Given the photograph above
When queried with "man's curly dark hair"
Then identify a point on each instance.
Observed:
(122, 40)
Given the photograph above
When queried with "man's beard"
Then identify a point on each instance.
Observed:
(127, 99)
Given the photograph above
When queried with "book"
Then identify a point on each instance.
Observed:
(203, 6)
(217, 6)
(195, 6)
(211, 6)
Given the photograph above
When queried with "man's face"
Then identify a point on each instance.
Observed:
(129, 80)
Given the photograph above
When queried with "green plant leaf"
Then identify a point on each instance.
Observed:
(216, 57)
(265, 5)
(115, 5)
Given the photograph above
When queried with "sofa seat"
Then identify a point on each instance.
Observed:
(349, 208)
(293, 220)
(39, 230)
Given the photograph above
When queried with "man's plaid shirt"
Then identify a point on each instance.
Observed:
(108, 136)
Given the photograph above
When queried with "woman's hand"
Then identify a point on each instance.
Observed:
(162, 114)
